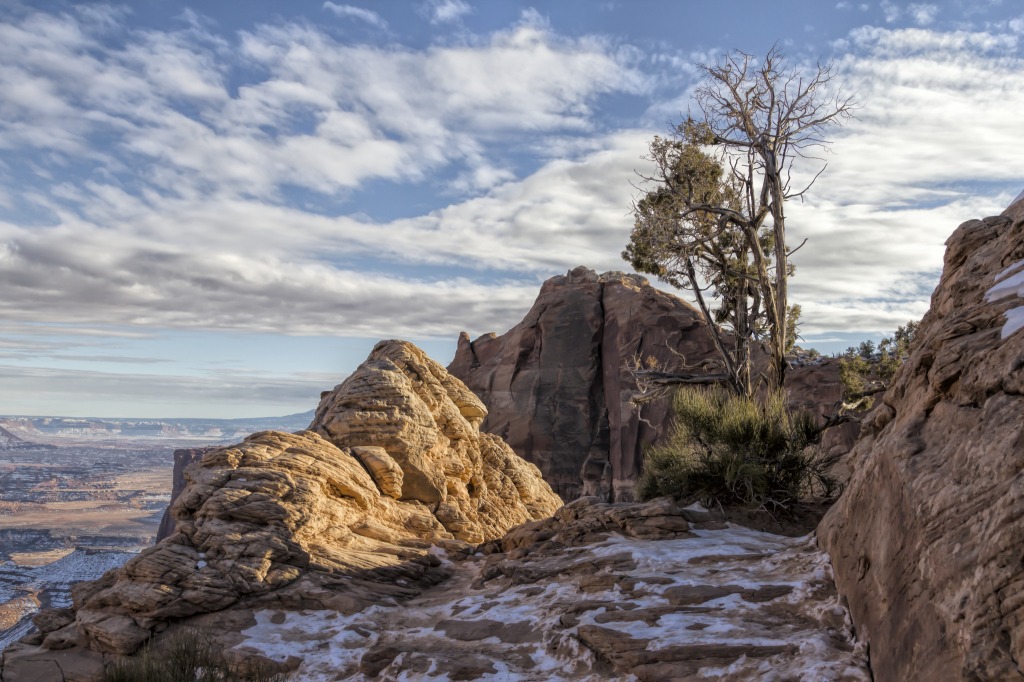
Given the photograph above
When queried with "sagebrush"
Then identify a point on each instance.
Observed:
(735, 450)
(186, 655)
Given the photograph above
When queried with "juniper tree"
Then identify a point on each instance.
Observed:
(712, 217)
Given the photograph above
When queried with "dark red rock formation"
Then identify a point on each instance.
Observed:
(816, 387)
(557, 387)
(182, 458)
(927, 540)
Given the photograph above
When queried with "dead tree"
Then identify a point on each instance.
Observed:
(712, 217)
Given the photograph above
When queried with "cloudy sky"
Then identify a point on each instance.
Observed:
(213, 212)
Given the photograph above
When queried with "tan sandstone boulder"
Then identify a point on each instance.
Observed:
(927, 539)
(426, 421)
(341, 516)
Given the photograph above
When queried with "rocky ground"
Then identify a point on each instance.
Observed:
(395, 540)
(382, 543)
(711, 602)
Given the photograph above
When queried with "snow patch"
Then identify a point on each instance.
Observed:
(1014, 321)
(1009, 282)
(1010, 269)
(809, 620)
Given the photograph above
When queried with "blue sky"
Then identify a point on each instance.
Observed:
(215, 210)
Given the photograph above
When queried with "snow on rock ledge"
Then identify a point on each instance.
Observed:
(599, 592)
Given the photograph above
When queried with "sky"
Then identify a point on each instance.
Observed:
(215, 210)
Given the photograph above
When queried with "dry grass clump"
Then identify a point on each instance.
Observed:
(187, 655)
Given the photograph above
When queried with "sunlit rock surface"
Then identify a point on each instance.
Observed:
(342, 520)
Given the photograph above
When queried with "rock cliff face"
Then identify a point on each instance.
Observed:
(557, 386)
(340, 516)
(183, 457)
(927, 539)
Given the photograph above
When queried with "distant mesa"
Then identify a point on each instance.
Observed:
(8, 441)
(85, 429)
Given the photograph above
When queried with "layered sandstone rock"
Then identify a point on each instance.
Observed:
(557, 386)
(412, 423)
(341, 516)
(926, 541)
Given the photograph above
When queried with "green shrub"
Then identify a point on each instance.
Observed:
(186, 655)
(731, 450)
(868, 369)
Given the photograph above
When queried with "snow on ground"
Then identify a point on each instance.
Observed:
(659, 599)
(49, 584)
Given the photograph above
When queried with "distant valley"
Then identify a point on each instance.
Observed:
(79, 430)
(89, 491)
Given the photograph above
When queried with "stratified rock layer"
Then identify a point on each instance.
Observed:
(416, 427)
(341, 520)
(557, 386)
(927, 539)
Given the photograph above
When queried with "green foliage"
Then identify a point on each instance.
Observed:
(868, 369)
(187, 655)
(737, 450)
(685, 232)
(854, 370)
(793, 326)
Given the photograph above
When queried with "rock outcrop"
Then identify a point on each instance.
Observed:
(927, 539)
(8, 441)
(557, 385)
(341, 516)
(183, 457)
(416, 429)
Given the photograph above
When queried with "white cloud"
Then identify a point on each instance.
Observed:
(182, 221)
(358, 13)
(932, 146)
(891, 11)
(326, 116)
(923, 14)
(447, 11)
(35, 390)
